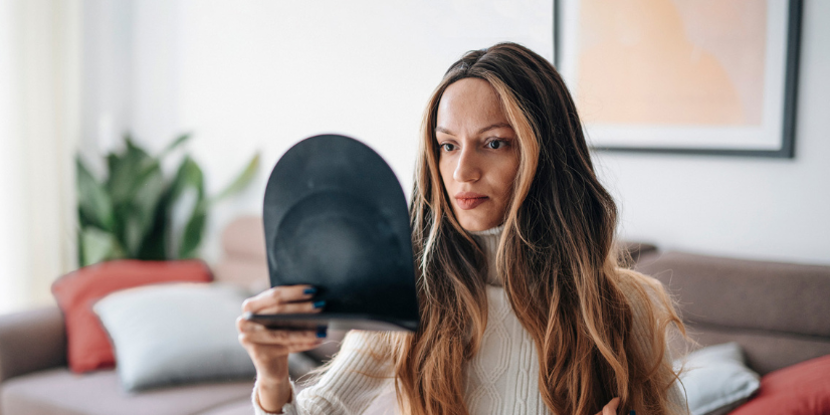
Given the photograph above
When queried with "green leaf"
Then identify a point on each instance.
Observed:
(188, 176)
(242, 181)
(127, 171)
(142, 210)
(154, 245)
(132, 235)
(172, 146)
(131, 213)
(135, 184)
(97, 246)
(193, 232)
(94, 204)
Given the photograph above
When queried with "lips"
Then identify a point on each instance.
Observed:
(469, 200)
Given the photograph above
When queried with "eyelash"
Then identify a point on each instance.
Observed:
(502, 144)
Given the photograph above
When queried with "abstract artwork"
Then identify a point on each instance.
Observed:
(688, 76)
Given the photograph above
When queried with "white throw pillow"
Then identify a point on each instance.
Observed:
(716, 379)
(175, 333)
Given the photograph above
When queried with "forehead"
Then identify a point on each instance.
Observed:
(468, 103)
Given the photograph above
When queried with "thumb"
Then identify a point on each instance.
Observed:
(611, 407)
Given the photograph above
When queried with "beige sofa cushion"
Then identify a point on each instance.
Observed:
(776, 311)
(758, 295)
(240, 407)
(60, 392)
(243, 259)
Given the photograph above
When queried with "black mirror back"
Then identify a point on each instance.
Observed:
(335, 217)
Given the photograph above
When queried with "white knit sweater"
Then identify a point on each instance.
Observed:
(502, 378)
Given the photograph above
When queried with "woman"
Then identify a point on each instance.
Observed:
(524, 307)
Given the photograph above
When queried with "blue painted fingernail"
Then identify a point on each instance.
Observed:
(319, 304)
(633, 412)
(321, 331)
(310, 290)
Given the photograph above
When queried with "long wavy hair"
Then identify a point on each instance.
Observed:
(556, 256)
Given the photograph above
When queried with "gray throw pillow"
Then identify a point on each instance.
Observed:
(716, 379)
(175, 333)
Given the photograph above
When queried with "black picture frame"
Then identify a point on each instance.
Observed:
(790, 93)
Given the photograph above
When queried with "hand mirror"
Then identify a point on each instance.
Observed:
(335, 217)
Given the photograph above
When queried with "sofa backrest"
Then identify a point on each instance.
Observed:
(243, 259)
(778, 312)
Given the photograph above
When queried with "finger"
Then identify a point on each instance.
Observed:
(265, 353)
(243, 325)
(302, 347)
(268, 351)
(284, 337)
(305, 307)
(611, 407)
(278, 295)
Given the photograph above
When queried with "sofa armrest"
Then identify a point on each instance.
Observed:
(30, 341)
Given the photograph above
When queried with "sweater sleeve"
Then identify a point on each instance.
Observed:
(641, 334)
(360, 372)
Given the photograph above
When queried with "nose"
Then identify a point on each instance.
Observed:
(468, 168)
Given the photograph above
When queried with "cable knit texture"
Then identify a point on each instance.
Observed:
(502, 378)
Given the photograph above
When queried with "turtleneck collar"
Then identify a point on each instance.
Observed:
(489, 241)
(492, 231)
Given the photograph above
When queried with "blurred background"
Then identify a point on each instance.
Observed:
(254, 77)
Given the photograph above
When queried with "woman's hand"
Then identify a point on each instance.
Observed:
(268, 348)
(611, 408)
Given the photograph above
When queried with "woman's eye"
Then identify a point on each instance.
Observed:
(496, 144)
(447, 147)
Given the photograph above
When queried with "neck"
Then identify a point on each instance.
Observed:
(489, 241)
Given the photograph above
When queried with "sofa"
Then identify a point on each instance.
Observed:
(35, 378)
(777, 312)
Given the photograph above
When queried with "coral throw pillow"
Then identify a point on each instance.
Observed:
(88, 347)
(800, 389)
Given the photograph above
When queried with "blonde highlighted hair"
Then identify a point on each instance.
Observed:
(556, 256)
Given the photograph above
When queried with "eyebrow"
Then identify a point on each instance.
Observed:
(481, 131)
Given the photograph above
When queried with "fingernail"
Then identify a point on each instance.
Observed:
(310, 290)
(321, 331)
(633, 412)
(319, 304)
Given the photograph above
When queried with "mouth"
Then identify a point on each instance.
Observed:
(470, 200)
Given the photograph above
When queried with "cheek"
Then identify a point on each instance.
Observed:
(506, 174)
(446, 170)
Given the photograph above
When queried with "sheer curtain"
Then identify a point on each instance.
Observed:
(40, 59)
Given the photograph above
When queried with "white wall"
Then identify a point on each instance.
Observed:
(253, 75)
(250, 76)
(744, 207)
(263, 75)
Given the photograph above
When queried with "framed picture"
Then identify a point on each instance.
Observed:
(682, 76)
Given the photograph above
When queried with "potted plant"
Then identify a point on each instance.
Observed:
(129, 213)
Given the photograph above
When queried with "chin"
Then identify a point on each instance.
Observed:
(476, 220)
(473, 225)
